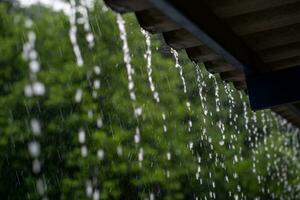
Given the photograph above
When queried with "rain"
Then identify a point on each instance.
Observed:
(94, 107)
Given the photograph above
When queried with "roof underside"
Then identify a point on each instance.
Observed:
(236, 38)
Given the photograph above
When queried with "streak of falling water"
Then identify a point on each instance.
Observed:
(201, 84)
(190, 123)
(217, 95)
(130, 72)
(35, 88)
(127, 59)
(255, 145)
(264, 120)
(269, 147)
(73, 33)
(245, 111)
(274, 168)
(221, 126)
(148, 57)
(295, 155)
(233, 117)
(164, 119)
(180, 68)
(282, 163)
(96, 86)
(265, 126)
(231, 102)
(83, 7)
(250, 133)
(97, 72)
(214, 157)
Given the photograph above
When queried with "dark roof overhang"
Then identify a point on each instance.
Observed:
(252, 43)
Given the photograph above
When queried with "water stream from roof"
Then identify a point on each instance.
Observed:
(131, 87)
(180, 69)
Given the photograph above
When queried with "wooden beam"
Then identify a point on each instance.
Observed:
(230, 8)
(154, 21)
(280, 52)
(282, 64)
(201, 54)
(181, 39)
(218, 66)
(125, 6)
(233, 76)
(273, 38)
(240, 85)
(198, 19)
(266, 19)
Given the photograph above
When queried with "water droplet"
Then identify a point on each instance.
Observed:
(34, 148)
(40, 186)
(97, 84)
(90, 38)
(100, 154)
(31, 36)
(78, 96)
(141, 154)
(28, 91)
(119, 151)
(35, 126)
(33, 55)
(34, 66)
(221, 142)
(137, 138)
(138, 112)
(81, 136)
(97, 70)
(84, 151)
(36, 166)
(28, 23)
(96, 195)
(99, 122)
(89, 188)
(169, 156)
(38, 88)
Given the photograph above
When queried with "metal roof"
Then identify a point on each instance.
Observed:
(255, 44)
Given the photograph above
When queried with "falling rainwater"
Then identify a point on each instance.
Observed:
(213, 156)
(127, 59)
(84, 20)
(201, 84)
(148, 57)
(217, 95)
(220, 150)
(82, 7)
(35, 88)
(73, 33)
(180, 68)
(130, 72)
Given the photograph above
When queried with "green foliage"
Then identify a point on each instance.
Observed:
(120, 175)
